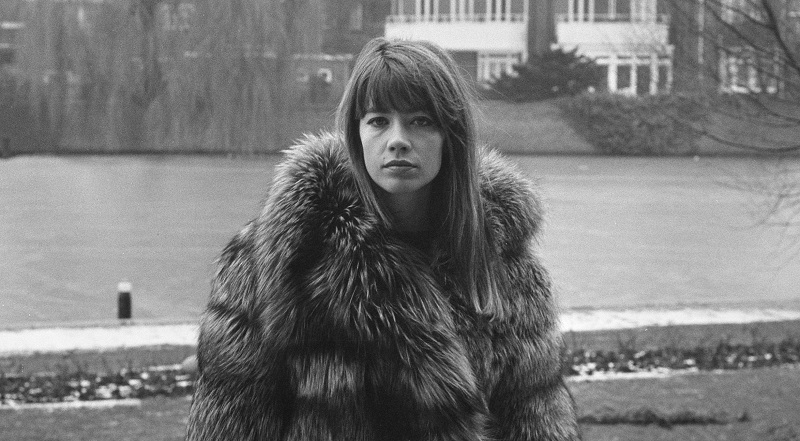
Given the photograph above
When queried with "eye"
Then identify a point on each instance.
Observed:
(377, 121)
(423, 121)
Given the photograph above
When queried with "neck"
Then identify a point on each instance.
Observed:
(410, 211)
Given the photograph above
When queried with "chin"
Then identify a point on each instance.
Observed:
(401, 188)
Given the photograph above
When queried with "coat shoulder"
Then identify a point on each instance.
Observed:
(512, 202)
(315, 163)
(314, 186)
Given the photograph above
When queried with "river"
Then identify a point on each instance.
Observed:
(620, 233)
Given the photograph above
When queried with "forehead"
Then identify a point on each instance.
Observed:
(370, 109)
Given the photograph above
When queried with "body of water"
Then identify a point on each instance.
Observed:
(620, 233)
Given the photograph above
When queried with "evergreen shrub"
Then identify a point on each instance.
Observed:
(635, 125)
(552, 74)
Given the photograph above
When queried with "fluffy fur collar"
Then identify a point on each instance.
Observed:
(317, 171)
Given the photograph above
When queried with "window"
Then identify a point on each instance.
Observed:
(320, 85)
(744, 70)
(83, 23)
(663, 78)
(643, 78)
(793, 8)
(177, 17)
(603, 86)
(356, 21)
(640, 74)
(7, 55)
(497, 9)
(492, 65)
(601, 9)
(622, 8)
(735, 11)
(302, 76)
(624, 76)
(397, 7)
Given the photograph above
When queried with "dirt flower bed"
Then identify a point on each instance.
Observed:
(723, 356)
(50, 387)
(176, 380)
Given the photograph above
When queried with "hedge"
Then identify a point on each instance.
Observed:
(632, 125)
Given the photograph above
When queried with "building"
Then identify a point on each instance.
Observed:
(729, 47)
(748, 56)
(628, 38)
(645, 46)
(349, 24)
(487, 37)
(10, 28)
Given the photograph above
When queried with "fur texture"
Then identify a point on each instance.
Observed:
(323, 326)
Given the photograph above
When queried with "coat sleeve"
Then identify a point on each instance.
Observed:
(530, 400)
(240, 389)
(247, 331)
(269, 369)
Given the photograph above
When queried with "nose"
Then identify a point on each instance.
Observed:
(398, 141)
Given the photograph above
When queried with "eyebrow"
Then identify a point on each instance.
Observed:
(374, 110)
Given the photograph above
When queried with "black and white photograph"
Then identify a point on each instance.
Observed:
(400, 220)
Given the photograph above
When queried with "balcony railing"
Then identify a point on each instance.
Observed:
(457, 18)
(613, 18)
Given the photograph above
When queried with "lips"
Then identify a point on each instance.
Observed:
(398, 163)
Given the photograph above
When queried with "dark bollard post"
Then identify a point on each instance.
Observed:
(5, 147)
(124, 301)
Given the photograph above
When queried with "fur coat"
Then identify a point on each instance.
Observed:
(322, 325)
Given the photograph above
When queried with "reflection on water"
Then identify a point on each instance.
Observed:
(620, 232)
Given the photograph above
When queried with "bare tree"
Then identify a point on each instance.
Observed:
(165, 74)
(746, 58)
(240, 69)
(82, 60)
(741, 58)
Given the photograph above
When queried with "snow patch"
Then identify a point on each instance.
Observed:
(69, 405)
(26, 341)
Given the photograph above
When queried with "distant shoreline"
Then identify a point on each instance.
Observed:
(110, 335)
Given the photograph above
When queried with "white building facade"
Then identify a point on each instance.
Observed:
(630, 38)
(492, 33)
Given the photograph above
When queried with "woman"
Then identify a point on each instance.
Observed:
(388, 290)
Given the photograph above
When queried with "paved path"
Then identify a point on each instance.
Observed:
(111, 336)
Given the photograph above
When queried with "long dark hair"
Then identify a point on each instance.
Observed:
(407, 76)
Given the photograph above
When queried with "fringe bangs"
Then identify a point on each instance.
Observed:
(389, 85)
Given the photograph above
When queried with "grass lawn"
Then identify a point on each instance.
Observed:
(769, 396)
(684, 337)
(540, 127)
(157, 419)
(529, 128)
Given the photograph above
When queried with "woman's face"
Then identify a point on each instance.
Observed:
(402, 150)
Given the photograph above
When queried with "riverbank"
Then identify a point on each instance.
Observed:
(104, 336)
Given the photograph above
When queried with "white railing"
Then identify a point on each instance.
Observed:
(613, 18)
(458, 18)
